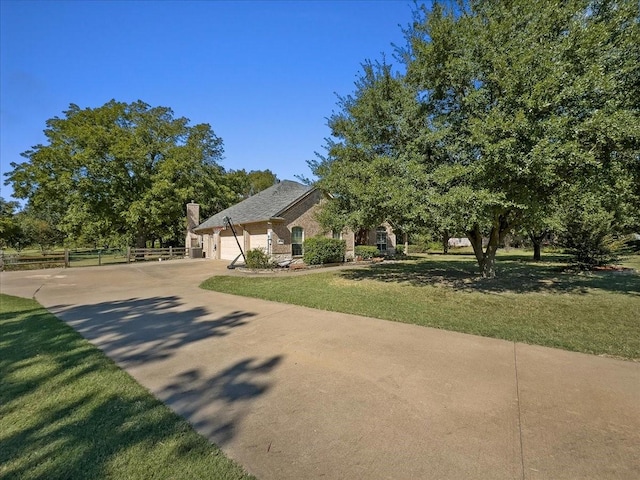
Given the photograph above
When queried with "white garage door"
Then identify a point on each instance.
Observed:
(258, 241)
(228, 247)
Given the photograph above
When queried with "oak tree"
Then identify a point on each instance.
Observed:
(122, 173)
(507, 113)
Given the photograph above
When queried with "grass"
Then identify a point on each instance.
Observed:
(68, 412)
(92, 258)
(55, 259)
(539, 303)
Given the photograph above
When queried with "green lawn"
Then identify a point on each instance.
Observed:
(539, 303)
(68, 412)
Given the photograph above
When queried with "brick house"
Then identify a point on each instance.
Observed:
(277, 220)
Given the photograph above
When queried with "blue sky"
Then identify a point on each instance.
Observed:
(263, 74)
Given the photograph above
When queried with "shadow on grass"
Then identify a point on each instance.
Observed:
(514, 274)
(68, 412)
(140, 330)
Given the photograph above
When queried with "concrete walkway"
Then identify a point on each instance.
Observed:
(296, 393)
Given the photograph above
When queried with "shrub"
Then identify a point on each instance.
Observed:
(422, 243)
(367, 252)
(632, 244)
(257, 258)
(418, 248)
(587, 234)
(321, 250)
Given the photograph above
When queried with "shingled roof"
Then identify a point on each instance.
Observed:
(262, 206)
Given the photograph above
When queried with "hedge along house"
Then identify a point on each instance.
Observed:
(276, 220)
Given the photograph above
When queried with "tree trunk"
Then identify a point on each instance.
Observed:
(141, 241)
(488, 267)
(475, 237)
(487, 258)
(141, 236)
(537, 251)
(445, 241)
(536, 240)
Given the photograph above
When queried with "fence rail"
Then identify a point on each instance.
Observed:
(85, 258)
(20, 262)
(136, 254)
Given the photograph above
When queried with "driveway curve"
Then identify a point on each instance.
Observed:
(295, 393)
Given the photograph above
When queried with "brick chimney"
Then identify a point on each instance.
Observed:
(192, 240)
(193, 216)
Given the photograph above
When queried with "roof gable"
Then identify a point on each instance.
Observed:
(262, 206)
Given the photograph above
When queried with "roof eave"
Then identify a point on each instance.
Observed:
(249, 222)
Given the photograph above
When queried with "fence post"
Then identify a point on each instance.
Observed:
(128, 254)
(99, 258)
(66, 258)
(170, 251)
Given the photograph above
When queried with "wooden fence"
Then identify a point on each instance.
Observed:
(84, 258)
(27, 262)
(145, 254)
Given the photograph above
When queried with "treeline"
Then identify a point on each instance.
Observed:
(499, 118)
(119, 175)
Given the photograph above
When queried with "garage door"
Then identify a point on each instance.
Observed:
(259, 241)
(228, 247)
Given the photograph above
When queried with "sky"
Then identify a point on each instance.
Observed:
(263, 74)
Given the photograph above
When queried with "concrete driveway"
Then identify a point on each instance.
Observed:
(296, 393)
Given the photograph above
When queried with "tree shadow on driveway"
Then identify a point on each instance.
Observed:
(68, 412)
(140, 330)
(215, 405)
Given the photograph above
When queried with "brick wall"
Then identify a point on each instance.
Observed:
(391, 238)
(302, 214)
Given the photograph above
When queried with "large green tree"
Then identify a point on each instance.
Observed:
(10, 231)
(122, 173)
(523, 107)
(369, 167)
(536, 100)
(247, 184)
(39, 229)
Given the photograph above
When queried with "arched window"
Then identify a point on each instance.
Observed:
(297, 237)
(381, 239)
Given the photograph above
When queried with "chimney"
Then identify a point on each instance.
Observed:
(193, 216)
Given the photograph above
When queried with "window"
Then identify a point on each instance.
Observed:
(337, 234)
(297, 237)
(381, 239)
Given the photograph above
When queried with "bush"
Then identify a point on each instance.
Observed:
(418, 248)
(367, 252)
(321, 250)
(423, 242)
(632, 244)
(257, 258)
(587, 234)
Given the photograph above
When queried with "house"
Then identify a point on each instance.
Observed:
(277, 220)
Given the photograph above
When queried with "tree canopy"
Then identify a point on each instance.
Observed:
(9, 226)
(248, 184)
(122, 173)
(503, 115)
